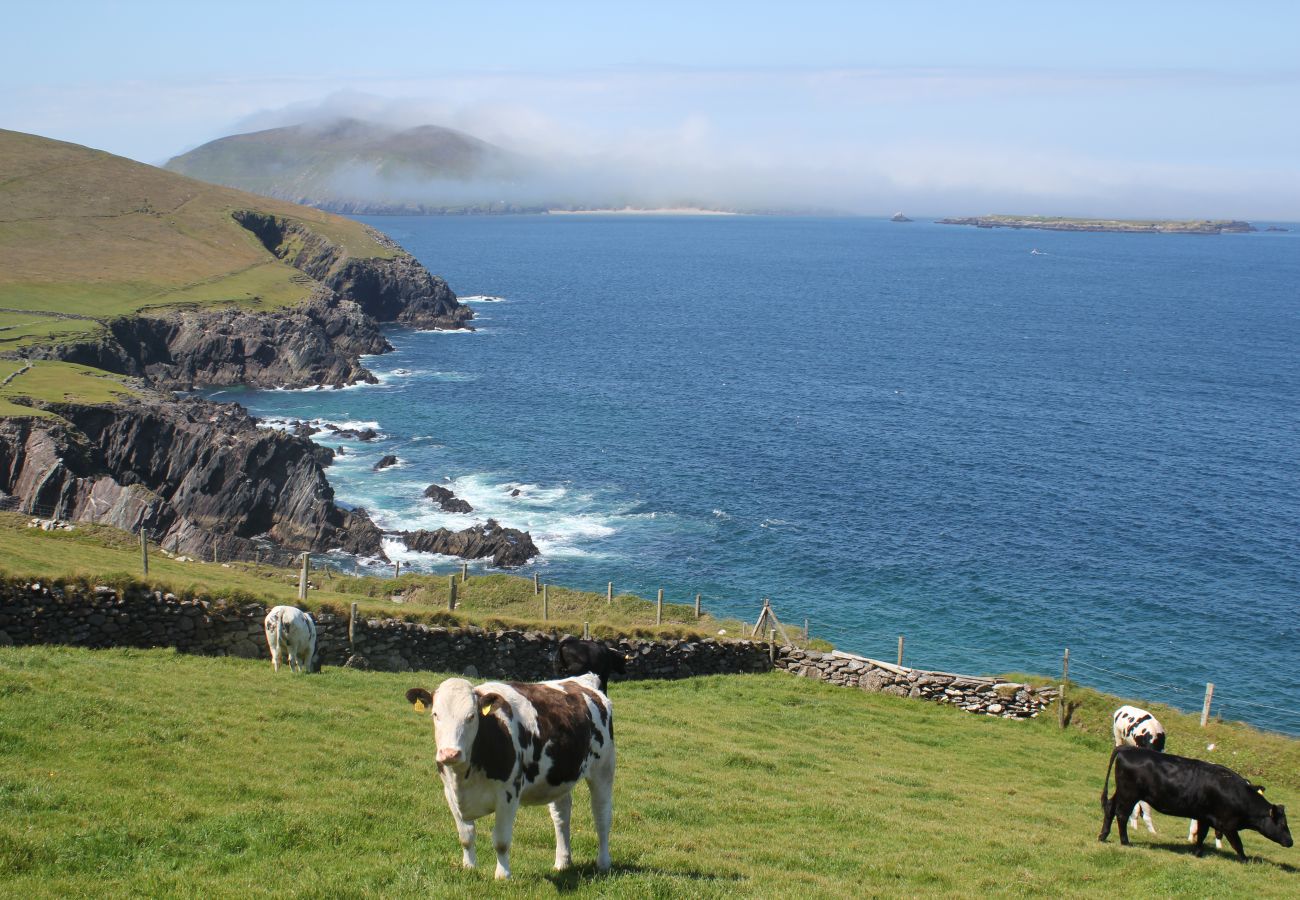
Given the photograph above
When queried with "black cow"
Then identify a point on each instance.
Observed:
(574, 657)
(1215, 796)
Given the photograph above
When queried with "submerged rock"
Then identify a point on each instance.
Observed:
(387, 461)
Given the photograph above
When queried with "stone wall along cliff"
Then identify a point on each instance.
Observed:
(987, 696)
(35, 613)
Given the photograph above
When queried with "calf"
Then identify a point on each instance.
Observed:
(1135, 727)
(574, 657)
(1215, 796)
(500, 746)
(291, 634)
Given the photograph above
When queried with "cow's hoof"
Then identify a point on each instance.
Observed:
(502, 875)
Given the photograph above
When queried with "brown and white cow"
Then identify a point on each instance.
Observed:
(1135, 727)
(500, 746)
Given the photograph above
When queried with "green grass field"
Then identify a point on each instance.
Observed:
(148, 773)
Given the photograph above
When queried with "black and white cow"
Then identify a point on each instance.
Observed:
(574, 657)
(500, 746)
(291, 635)
(1215, 796)
(1134, 727)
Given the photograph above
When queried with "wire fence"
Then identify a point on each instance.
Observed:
(228, 549)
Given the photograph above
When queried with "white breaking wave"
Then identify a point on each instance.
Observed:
(480, 298)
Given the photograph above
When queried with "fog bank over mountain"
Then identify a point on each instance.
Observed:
(659, 157)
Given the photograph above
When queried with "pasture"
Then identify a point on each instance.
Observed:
(149, 773)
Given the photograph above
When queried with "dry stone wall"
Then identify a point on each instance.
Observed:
(987, 696)
(103, 616)
(36, 613)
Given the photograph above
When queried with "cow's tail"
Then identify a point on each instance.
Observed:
(277, 629)
(1105, 787)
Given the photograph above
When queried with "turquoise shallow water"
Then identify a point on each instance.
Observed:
(914, 429)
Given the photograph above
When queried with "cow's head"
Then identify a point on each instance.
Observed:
(1273, 824)
(618, 660)
(457, 709)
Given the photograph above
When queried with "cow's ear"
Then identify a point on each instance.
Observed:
(419, 698)
(489, 703)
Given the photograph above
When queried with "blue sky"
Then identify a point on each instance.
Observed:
(936, 107)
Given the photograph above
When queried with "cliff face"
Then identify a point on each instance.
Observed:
(194, 473)
(315, 343)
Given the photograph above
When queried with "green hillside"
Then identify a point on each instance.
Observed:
(86, 236)
(127, 773)
(342, 159)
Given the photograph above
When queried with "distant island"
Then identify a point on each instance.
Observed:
(1143, 226)
(638, 211)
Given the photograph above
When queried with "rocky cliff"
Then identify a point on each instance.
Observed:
(317, 342)
(195, 474)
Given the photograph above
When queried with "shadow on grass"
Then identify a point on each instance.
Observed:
(1188, 849)
(575, 877)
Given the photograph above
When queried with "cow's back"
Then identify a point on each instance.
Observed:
(569, 734)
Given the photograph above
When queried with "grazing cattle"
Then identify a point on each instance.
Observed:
(500, 746)
(1135, 727)
(291, 635)
(574, 657)
(1215, 796)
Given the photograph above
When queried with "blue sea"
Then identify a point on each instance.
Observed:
(886, 428)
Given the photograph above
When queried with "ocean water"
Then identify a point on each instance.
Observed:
(886, 428)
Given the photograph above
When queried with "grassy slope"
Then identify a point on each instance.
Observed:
(87, 233)
(130, 773)
(99, 554)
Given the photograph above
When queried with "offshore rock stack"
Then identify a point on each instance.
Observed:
(988, 696)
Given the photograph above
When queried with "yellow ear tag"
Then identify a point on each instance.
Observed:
(419, 706)
(1259, 790)
(487, 710)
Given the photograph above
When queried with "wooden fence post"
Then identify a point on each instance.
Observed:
(536, 587)
(546, 602)
(609, 593)
(352, 625)
(900, 650)
(1060, 707)
(144, 551)
(1065, 666)
(214, 552)
(397, 569)
(697, 606)
(451, 592)
(659, 608)
(464, 572)
(1209, 698)
(302, 576)
(771, 645)
(586, 631)
(805, 630)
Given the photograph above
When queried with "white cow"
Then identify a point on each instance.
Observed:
(1136, 727)
(500, 746)
(291, 634)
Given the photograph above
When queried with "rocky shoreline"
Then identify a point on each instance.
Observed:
(202, 476)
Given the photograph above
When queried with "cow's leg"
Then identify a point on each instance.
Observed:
(1107, 815)
(1145, 810)
(1235, 840)
(1198, 832)
(502, 830)
(561, 815)
(602, 811)
(464, 829)
(1123, 809)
